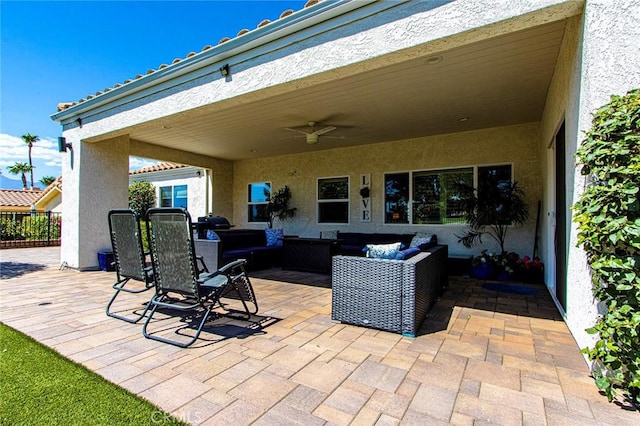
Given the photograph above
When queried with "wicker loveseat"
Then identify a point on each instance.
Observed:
(393, 295)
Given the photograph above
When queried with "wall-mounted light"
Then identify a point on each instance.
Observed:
(224, 70)
(79, 121)
(63, 145)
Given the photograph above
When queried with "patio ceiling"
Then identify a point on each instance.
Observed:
(496, 82)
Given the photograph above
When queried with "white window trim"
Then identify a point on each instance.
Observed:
(159, 194)
(249, 203)
(347, 200)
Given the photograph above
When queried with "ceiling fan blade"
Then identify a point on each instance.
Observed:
(295, 130)
(333, 137)
(325, 130)
(293, 137)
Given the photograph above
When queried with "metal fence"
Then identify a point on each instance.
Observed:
(29, 229)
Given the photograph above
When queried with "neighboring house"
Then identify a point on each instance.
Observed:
(420, 93)
(18, 200)
(177, 185)
(51, 198)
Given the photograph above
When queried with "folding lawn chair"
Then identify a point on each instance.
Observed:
(179, 284)
(129, 259)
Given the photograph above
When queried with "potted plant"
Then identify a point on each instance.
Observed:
(484, 266)
(530, 270)
(278, 206)
(492, 209)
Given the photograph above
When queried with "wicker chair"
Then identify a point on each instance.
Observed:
(393, 295)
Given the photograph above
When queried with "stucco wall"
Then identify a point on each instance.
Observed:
(562, 104)
(599, 57)
(515, 144)
(610, 65)
(95, 180)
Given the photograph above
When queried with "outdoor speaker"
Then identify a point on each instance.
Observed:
(63, 145)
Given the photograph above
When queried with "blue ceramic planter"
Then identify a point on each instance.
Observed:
(484, 271)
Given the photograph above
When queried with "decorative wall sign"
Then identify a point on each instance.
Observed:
(365, 202)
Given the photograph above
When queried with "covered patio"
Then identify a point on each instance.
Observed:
(412, 88)
(482, 357)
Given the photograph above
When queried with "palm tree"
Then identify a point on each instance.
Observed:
(30, 139)
(46, 180)
(21, 169)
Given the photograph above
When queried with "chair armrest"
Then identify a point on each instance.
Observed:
(213, 280)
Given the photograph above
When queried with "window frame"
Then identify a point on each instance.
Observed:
(161, 198)
(171, 198)
(346, 200)
(186, 198)
(250, 203)
(411, 201)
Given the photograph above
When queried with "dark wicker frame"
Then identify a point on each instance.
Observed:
(393, 295)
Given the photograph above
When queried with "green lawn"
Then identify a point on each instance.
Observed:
(39, 387)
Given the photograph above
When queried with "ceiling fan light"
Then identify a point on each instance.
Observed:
(312, 138)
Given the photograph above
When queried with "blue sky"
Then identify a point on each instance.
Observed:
(62, 51)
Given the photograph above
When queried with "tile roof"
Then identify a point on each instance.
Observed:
(18, 197)
(158, 168)
(64, 105)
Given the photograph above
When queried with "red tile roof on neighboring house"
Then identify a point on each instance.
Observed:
(18, 197)
(56, 184)
(158, 168)
(64, 105)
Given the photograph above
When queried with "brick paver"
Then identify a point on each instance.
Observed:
(481, 357)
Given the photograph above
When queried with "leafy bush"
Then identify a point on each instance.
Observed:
(41, 228)
(10, 230)
(142, 197)
(144, 234)
(608, 218)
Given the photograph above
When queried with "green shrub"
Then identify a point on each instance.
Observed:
(142, 196)
(144, 234)
(10, 230)
(608, 218)
(41, 228)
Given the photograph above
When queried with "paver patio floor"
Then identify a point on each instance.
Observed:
(482, 357)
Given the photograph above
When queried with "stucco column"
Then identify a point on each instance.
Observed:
(95, 178)
(610, 65)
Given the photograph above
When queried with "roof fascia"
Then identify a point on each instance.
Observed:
(181, 173)
(292, 25)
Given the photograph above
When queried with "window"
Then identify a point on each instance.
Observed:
(180, 196)
(258, 195)
(396, 198)
(434, 196)
(165, 196)
(173, 196)
(333, 200)
(431, 193)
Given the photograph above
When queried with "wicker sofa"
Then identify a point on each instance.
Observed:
(393, 295)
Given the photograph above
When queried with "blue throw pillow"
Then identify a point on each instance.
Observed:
(407, 253)
(420, 239)
(274, 237)
(382, 251)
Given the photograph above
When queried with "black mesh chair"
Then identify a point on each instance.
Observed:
(180, 286)
(129, 259)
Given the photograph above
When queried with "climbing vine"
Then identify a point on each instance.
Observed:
(608, 218)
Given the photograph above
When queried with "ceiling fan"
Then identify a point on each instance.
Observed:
(313, 136)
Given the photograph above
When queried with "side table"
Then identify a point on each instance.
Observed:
(309, 254)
